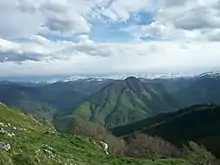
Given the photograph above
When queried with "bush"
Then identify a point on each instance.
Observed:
(85, 128)
(144, 146)
(117, 146)
(198, 155)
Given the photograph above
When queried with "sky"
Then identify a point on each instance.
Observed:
(107, 37)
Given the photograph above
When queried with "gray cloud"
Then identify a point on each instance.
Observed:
(15, 23)
(199, 18)
(61, 25)
(174, 19)
(173, 3)
(86, 58)
(26, 51)
(182, 18)
(67, 25)
(28, 17)
(37, 48)
(14, 57)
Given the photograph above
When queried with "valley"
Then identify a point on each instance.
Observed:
(109, 82)
(176, 117)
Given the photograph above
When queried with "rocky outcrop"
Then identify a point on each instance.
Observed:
(11, 134)
(2, 124)
(1, 103)
(5, 146)
(105, 147)
(49, 151)
(2, 131)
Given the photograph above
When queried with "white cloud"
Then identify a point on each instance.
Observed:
(120, 10)
(177, 21)
(196, 20)
(174, 19)
(18, 52)
(15, 23)
(20, 18)
(102, 58)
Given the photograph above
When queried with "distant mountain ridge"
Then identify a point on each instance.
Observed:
(151, 76)
(125, 101)
(111, 102)
(202, 89)
(126, 107)
(45, 100)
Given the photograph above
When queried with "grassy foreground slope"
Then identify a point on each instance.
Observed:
(33, 142)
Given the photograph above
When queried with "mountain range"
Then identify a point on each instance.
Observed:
(45, 100)
(183, 111)
(125, 101)
(110, 102)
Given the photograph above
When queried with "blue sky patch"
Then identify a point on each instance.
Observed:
(104, 31)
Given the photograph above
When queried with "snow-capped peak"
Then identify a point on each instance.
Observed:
(209, 74)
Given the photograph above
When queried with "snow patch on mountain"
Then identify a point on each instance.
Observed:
(77, 78)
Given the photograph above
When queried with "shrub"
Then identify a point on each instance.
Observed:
(117, 146)
(144, 146)
(198, 155)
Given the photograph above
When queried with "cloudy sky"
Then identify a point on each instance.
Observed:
(101, 37)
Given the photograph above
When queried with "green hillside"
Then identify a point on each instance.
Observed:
(46, 100)
(124, 130)
(37, 143)
(203, 89)
(125, 101)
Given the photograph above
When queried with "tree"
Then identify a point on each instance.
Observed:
(144, 146)
(198, 155)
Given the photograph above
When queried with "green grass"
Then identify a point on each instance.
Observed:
(30, 145)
